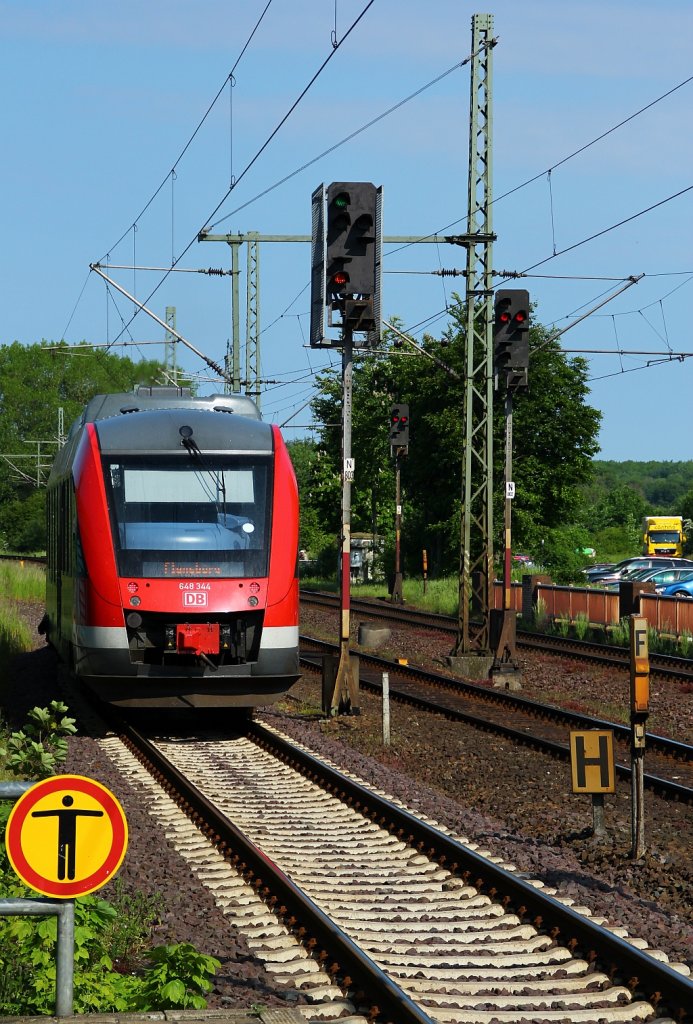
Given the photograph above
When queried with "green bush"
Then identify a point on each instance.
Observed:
(177, 978)
(115, 970)
(35, 751)
(562, 553)
(172, 977)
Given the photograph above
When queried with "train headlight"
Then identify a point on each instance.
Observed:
(135, 601)
(252, 601)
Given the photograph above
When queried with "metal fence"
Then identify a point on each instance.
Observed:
(64, 910)
(668, 615)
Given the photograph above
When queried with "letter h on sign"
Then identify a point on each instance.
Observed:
(592, 761)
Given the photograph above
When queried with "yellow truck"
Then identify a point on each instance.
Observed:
(663, 535)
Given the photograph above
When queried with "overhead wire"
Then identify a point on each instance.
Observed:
(365, 127)
(594, 141)
(288, 114)
(612, 227)
(381, 116)
(74, 308)
(559, 163)
(347, 138)
(647, 366)
(262, 148)
(195, 132)
(689, 278)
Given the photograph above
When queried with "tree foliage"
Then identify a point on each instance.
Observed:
(662, 485)
(554, 433)
(36, 381)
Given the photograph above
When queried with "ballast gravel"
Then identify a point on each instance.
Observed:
(514, 801)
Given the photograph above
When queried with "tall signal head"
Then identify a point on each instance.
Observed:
(510, 335)
(399, 425)
(346, 259)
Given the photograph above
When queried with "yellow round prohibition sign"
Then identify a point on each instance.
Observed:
(66, 836)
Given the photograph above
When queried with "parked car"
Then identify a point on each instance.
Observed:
(683, 587)
(597, 567)
(660, 577)
(616, 572)
(523, 560)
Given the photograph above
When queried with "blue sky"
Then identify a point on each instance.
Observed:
(100, 100)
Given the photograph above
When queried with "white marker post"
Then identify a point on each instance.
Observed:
(386, 709)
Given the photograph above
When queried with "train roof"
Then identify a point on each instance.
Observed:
(150, 420)
(145, 397)
(173, 430)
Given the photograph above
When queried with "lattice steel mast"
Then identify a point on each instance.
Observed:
(476, 554)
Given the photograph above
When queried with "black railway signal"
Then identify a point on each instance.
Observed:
(399, 425)
(337, 277)
(346, 260)
(351, 239)
(510, 336)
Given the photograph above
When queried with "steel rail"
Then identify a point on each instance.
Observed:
(356, 970)
(662, 744)
(666, 787)
(305, 919)
(657, 980)
(661, 664)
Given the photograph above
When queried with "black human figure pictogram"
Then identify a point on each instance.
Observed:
(67, 834)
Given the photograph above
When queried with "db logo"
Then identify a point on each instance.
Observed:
(198, 599)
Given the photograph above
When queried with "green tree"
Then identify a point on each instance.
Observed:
(562, 552)
(36, 381)
(614, 521)
(313, 537)
(686, 510)
(555, 439)
(662, 484)
(622, 505)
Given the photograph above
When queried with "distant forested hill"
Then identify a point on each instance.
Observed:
(663, 485)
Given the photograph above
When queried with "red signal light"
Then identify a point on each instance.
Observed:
(504, 317)
(520, 317)
(340, 278)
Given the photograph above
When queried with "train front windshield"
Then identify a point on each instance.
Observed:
(203, 517)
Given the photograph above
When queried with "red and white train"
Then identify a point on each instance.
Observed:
(172, 552)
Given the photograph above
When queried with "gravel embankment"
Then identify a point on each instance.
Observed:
(511, 800)
(519, 803)
(151, 866)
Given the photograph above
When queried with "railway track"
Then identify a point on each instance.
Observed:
(375, 912)
(662, 665)
(542, 726)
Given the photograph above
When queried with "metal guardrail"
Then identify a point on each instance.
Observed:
(64, 910)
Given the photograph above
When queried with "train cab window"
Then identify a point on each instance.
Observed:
(179, 518)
